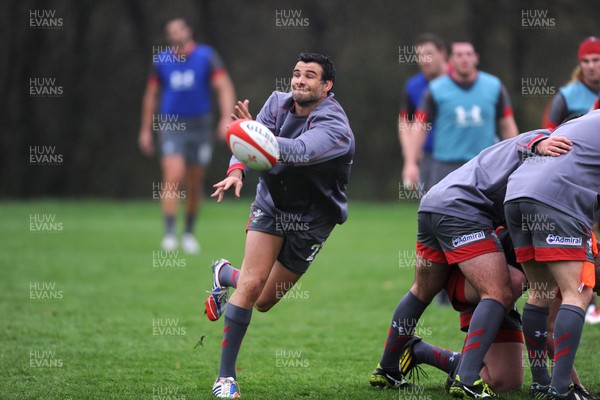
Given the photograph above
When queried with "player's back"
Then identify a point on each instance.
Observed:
(571, 182)
(475, 191)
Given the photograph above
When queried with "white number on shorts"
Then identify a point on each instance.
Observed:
(315, 248)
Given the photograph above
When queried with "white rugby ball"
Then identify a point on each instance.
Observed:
(253, 144)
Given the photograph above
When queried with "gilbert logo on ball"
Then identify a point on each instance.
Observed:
(253, 144)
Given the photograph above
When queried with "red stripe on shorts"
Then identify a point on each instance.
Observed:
(430, 254)
(560, 254)
(525, 254)
(472, 250)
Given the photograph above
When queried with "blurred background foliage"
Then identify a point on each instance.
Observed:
(101, 57)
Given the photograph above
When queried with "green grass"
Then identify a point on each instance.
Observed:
(100, 330)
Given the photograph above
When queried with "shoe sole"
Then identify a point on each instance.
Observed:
(380, 382)
(457, 393)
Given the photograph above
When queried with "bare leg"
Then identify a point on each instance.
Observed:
(260, 255)
(195, 188)
(280, 281)
(503, 368)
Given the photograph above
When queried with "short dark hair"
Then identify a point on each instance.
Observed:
(461, 40)
(185, 21)
(323, 61)
(431, 38)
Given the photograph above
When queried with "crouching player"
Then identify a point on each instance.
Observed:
(506, 370)
(565, 193)
(503, 363)
(307, 185)
(457, 218)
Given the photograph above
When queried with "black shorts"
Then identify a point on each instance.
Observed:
(543, 233)
(302, 240)
(449, 240)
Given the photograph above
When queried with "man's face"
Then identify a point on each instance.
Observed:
(307, 86)
(590, 67)
(431, 60)
(178, 33)
(464, 60)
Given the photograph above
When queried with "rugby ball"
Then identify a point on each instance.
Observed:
(253, 144)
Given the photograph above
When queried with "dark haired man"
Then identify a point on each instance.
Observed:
(416, 154)
(418, 159)
(307, 186)
(469, 110)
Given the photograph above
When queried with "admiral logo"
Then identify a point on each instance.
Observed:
(566, 241)
(468, 238)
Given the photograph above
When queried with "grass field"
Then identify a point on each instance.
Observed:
(90, 308)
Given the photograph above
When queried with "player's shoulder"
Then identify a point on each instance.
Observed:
(572, 87)
(203, 51)
(572, 84)
(203, 48)
(487, 78)
(330, 107)
(278, 103)
(416, 81)
(330, 112)
(440, 81)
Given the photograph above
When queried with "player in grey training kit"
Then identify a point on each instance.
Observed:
(563, 194)
(297, 204)
(456, 224)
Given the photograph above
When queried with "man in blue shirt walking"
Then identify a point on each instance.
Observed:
(184, 74)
